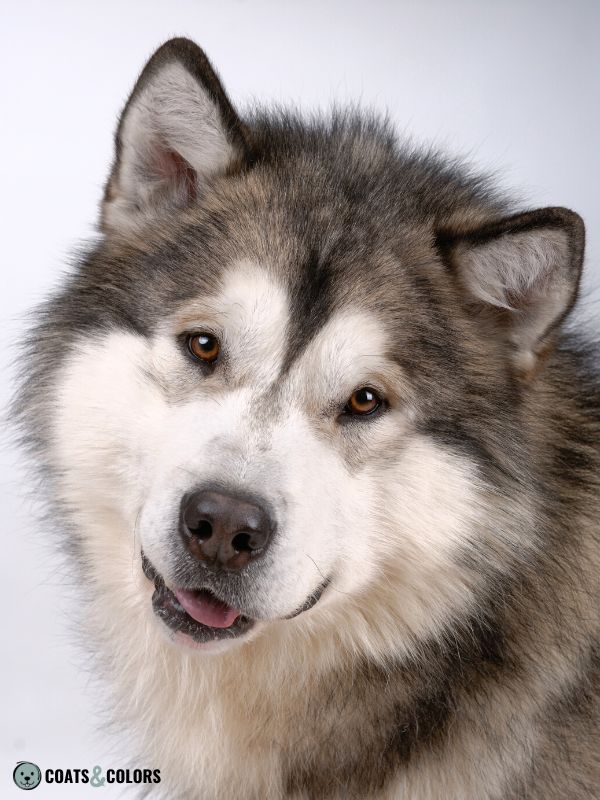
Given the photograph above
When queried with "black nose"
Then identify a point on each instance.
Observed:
(224, 530)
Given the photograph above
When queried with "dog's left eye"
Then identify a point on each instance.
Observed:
(203, 347)
(363, 402)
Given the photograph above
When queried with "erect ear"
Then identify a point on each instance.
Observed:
(525, 270)
(177, 131)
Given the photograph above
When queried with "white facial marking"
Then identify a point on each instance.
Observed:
(347, 353)
(250, 313)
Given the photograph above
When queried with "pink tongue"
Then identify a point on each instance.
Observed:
(205, 608)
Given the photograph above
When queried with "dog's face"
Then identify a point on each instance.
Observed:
(258, 448)
(290, 365)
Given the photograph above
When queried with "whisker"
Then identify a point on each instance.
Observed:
(331, 586)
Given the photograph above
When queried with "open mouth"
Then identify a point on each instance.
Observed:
(198, 614)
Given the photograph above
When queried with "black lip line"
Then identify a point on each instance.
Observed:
(152, 575)
(312, 599)
(148, 568)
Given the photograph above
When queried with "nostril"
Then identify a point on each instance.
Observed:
(242, 543)
(203, 530)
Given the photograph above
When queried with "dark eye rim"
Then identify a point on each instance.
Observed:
(348, 413)
(187, 338)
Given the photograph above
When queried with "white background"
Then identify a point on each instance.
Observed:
(513, 85)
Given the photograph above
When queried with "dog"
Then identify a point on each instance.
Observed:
(325, 456)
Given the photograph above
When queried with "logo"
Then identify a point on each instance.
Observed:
(27, 775)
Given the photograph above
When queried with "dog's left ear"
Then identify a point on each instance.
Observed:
(524, 271)
(178, 131)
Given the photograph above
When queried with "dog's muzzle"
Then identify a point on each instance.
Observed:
(224, 534)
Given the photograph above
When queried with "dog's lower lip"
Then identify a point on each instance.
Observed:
(198, 614)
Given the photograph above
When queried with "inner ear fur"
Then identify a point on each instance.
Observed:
(178, 130)
(523, 270)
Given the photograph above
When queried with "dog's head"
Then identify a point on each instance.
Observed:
(293, 370)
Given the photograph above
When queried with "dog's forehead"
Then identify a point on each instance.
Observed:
(255, 312)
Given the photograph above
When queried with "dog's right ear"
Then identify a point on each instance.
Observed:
(177, 131)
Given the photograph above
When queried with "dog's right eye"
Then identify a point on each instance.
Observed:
(364, 402)
(203, 347)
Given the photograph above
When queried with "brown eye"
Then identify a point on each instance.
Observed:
(204, 346)
(363, 402)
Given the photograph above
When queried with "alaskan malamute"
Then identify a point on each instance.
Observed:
(326, 459)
